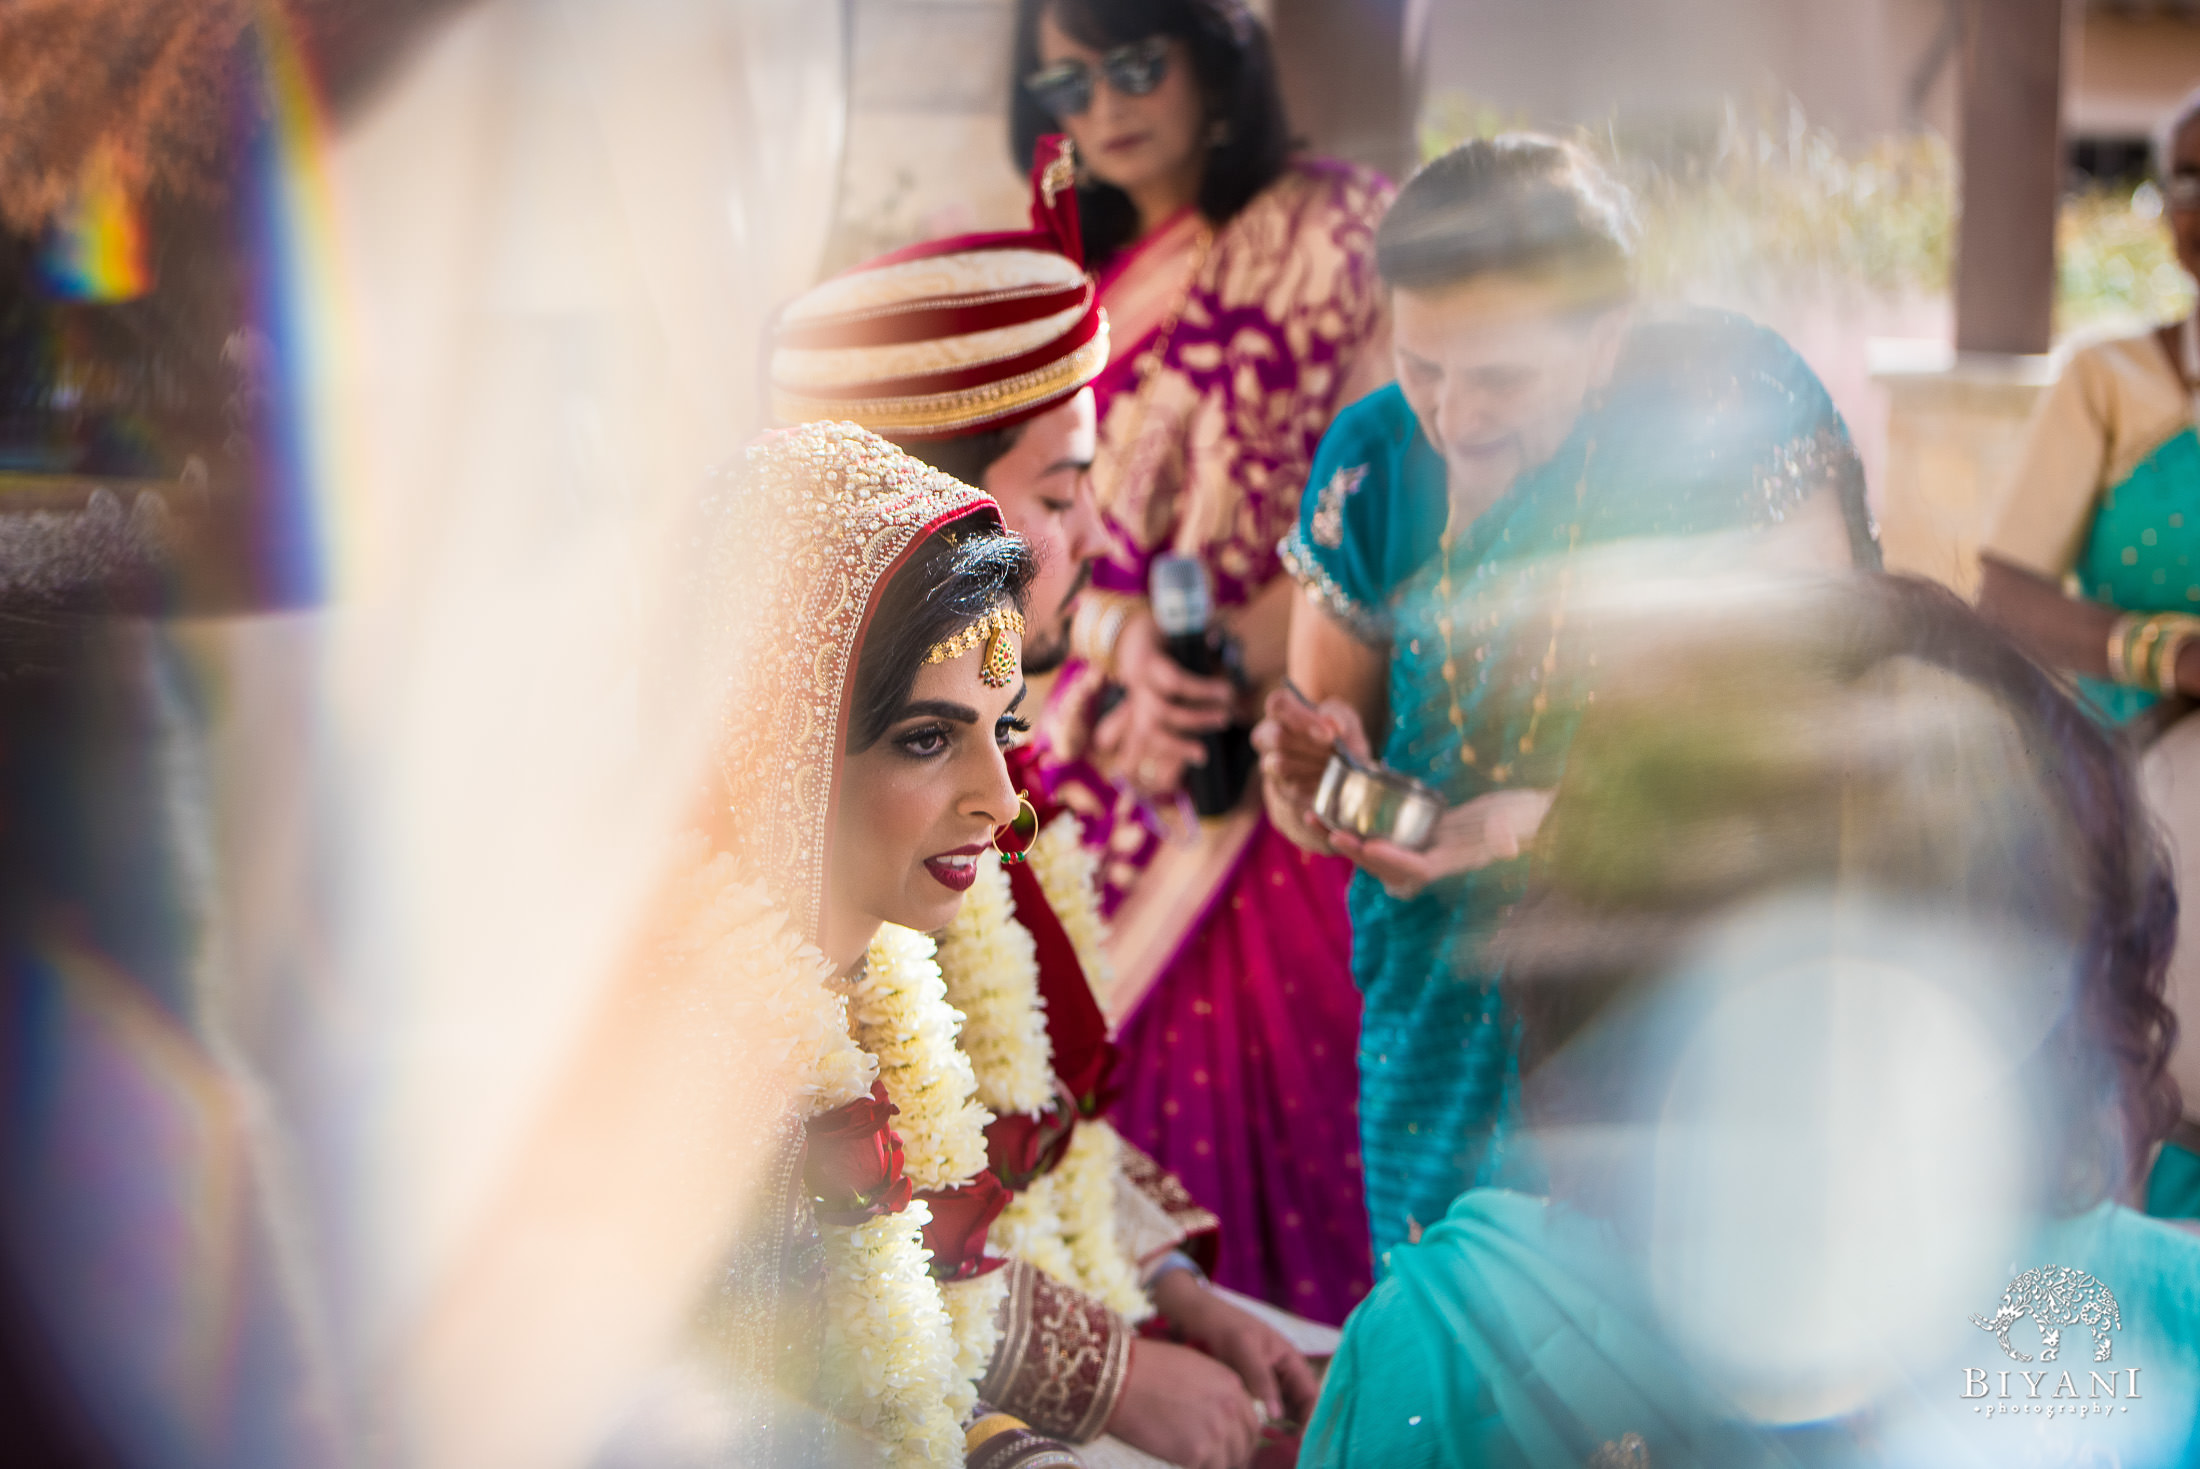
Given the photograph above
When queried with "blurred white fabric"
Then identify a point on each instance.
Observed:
(444, 798)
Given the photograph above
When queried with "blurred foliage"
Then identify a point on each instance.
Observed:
(2115, 262)
(1755, 204)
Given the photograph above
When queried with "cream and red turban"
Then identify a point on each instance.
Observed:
(951, 336)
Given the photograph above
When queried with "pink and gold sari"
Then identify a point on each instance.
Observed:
(1235, 1005)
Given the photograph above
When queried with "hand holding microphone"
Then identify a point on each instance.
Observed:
(1183, 614)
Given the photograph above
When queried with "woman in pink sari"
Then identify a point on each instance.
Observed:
(1240, 286)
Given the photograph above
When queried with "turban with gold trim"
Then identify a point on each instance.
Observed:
(951, 336)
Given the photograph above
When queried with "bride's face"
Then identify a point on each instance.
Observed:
(917, 807)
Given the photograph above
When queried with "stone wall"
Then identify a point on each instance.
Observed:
(1954, 426)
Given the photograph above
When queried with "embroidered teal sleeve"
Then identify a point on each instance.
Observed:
(1336, 551)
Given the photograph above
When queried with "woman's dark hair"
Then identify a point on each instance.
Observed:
(1691, 795)
(966, 456)
(1520, 202)
(1236, 72)
(950, 581)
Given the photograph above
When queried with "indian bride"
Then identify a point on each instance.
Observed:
(942, 1258)
(1240, 289)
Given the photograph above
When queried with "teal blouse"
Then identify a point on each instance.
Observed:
(2142, 554)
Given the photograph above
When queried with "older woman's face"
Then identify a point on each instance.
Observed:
(913, 811)
(1497, 369)
(1128, 141)
(2184, 224)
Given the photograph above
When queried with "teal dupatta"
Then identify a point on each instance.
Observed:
(1711, 423)
(1518, 1334)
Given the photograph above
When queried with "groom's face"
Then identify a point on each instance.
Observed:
(1044, 484)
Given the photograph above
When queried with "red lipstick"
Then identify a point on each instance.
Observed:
(956, 870)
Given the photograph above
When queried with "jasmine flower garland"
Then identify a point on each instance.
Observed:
(897, 1353)
(1064, 1222)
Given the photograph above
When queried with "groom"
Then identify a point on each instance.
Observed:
(975, 355)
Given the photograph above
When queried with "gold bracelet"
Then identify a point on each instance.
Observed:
(2139, 654)
(2119, 636)
(2148, 663)
(1098, 623)
(2182, 630)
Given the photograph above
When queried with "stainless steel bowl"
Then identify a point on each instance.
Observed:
(1374, 801)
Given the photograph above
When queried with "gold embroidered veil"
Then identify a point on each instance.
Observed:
(811, 529)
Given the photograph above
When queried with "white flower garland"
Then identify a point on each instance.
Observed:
(1069, 874)
(781, 983)
(1064, 1223)
(897, 1348)
(901, 1015)
(975, 1306)
(1085, 1204)
(889, 1357)
(992, 971)
(1030, 1230)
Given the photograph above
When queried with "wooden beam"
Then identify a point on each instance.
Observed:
(2012, 175)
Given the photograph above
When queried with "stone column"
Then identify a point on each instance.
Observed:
(2012, 175)
(1351, 72)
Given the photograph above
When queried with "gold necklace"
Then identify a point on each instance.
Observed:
(1446, 607)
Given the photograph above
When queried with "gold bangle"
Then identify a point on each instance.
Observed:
(2139, 652)
(2119, 635)
(2150, 649)
(1097, 625)
(2182, 630)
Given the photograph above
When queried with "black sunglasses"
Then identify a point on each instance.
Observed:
(1065, 88)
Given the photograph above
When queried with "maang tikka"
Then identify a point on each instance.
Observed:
(1003, 659)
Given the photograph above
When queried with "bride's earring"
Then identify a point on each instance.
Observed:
(1014, 840)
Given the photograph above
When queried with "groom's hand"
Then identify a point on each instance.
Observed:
(1270, 1367)
(1185, 1407)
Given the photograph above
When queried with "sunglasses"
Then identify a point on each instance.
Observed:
(1065, 88)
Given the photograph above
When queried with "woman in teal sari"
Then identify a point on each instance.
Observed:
(1838, 993)
(1537, 416)
(2093, 560)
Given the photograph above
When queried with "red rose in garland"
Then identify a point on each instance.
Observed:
(1023, 1147)
(960, 1218)
(852, 1166)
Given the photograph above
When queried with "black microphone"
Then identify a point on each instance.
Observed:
(1183, 609)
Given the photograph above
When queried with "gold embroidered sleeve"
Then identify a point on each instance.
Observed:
(1062, 1359)
(1155, 1213)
